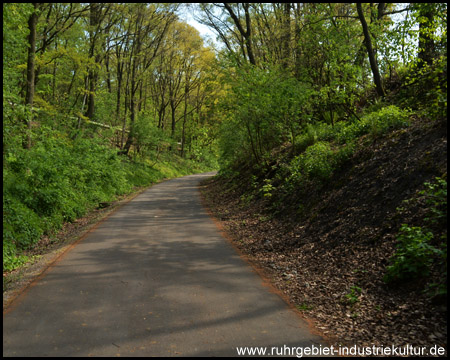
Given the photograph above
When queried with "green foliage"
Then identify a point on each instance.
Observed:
(264, 109)
(387, 119)
(413, 258)
(425, 88)
(436, 198)
(148, 137)
(316, 162)
(11, 259)
(267, 188)
(21, 226)
(416, 254)
(15, 30)
(375, 123)
(59, 180)
(55, 181)
(353, 296)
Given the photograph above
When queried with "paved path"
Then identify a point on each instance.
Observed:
(155, 279)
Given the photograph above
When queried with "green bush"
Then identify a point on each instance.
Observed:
(56, 180)
(319, 162)
(351, 131)
(139, 174)
(60, 177)
(436, 197)
(313, 132)
(388, 118)
(22, 227)
(267, 188)
(344, 132)
(11, 259)
(414, 255)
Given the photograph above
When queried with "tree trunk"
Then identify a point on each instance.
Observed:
(94, 21)
(248, 36)
(134, 82)
(119, 89)
(286, 36)
(247, 33)
(183, 130)
(108, 73)
(297, 46)
(173, 108)
(370, 51)
(426, 42)
(29, 97)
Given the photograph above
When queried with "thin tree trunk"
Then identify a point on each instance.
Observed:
(286, 37)
(183, 130)
(29, 96)
(134, 83)
(119, 89)
(94, 21)
(247, 33)
(370, 51)
(173, 108)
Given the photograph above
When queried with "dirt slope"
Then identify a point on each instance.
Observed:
(330, 259)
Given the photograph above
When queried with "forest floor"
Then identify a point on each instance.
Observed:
(329, 261)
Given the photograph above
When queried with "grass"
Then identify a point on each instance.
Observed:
(304, 307)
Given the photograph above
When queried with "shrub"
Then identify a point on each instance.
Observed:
(267, 188)
(436, 198)
(414, 255)
(351, 131)
(21, 226)
(388, 118)
(318, 163)
(12, 260)
(56, 180)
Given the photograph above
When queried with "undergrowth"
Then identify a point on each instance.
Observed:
(320, 151)
(422, 248)
(59, 180)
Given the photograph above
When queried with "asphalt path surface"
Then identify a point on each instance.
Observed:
(156, 278)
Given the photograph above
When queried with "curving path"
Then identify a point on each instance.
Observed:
(155, 279)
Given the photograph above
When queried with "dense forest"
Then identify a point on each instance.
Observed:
(102, 98)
